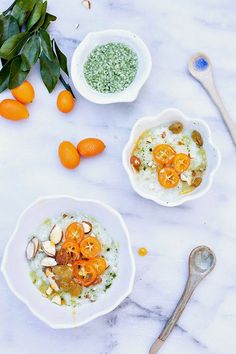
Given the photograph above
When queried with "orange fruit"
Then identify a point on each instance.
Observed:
(13, 110)
(65, 101)
(24, 93)
(68, 155)
(90, 147)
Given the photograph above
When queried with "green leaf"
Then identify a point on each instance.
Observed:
(42, 18)
(35, 15)
(4, 76)
(17, 76)
(30, 52)
(46, 44)
(13, 45)
(48, 19)
(22, 10)
(8, 27)
(50, 71)
(62, 59)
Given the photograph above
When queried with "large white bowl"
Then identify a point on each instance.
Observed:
(16, 270)
(164, 118)
(100, 38)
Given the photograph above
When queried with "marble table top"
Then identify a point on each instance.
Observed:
(173, 31)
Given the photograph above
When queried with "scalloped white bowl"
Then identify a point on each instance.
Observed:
(164, 118)
(100, 38)
(20, 283)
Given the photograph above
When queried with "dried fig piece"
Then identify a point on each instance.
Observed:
(197, 181)
(135, 163)
(197, 138)
(62, 257)
(176, 127)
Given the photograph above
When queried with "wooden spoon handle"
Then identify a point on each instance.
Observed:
(191, 285)
(210, 87)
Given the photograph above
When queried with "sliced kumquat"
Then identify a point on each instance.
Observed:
(75, 232)
(168, 177)
(84, 272)
(99, 264)
(72, 249)
(163, 154)
(181, 162)
(90, 247)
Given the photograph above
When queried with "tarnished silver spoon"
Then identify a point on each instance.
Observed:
(201, 262)
(200, 68)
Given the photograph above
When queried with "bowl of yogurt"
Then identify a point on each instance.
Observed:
(171, 158)
(74, 260)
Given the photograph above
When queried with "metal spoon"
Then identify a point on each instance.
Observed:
(200, 68)
(201, 262)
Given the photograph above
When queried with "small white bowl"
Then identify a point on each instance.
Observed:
(16, 270)
(164, 118)
(94, 39)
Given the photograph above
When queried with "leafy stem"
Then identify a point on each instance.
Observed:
(67, 86)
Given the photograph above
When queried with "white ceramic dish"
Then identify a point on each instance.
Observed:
(103, 37)
(164, 118)
(16, 270)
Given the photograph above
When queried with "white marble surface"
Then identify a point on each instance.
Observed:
(173, 30)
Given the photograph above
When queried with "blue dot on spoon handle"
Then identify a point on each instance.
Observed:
(201, 64)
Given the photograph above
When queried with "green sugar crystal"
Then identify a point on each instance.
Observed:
(111, 67)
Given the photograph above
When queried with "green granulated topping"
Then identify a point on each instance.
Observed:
(111, 67)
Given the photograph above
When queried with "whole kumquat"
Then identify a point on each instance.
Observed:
(13, 110)
(65, 101)
(24, 93)
(90, 147)
(68, 155)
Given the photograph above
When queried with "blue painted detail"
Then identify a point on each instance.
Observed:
(201, 64)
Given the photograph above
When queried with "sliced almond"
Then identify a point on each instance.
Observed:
(48, 262)
(56, 234)
(87, 227)
(53, 284)
(56, 299)
(32, 248)
(49, 248)
(35, 240)
(49, 290)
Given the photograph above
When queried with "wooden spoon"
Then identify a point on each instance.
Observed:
(200, 68)
(201, 262)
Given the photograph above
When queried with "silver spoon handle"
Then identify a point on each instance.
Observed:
(191, 285)
(210, 87)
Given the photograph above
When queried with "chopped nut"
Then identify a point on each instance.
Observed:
(135, 163)
(48, 262)
(49, 290)
(56, 234)
(150, 163)
(87, 227)
(48, 272)
(87, 4)
(197, 138)
(176, 127)
(56, 299)
(149, 139)
(163, 135)
(49, 248)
